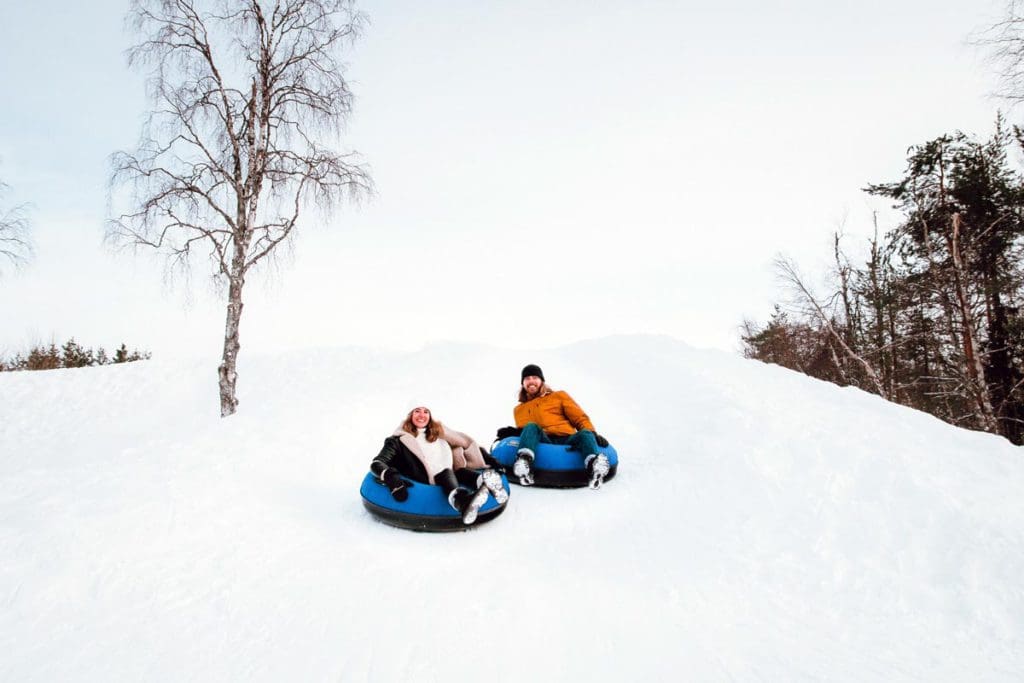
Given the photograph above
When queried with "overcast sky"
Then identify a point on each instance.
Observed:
(546, 171)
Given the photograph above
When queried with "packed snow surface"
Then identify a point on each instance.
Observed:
(763, 526)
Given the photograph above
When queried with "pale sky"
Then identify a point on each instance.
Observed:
(546, 171)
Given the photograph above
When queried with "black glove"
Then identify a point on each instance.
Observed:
(506, 432)
(399, 487)
(601, 441)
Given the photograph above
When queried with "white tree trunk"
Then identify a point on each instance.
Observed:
(227, 372)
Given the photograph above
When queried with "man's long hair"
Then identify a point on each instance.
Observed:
(433, 429)
(544, 391)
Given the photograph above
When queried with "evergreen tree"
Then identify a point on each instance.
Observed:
(44, 358)
(963, 222)
(70, 355)
(931, 319)
(76, 356)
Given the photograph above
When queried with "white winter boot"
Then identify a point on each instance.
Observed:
(523, 466)
(598, 468)
(492, 481)
(468, 503)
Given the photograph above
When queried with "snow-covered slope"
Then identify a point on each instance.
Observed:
(763, 526)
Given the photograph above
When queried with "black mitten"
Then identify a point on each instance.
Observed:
(601, 441)
(399, 487)
(506, 432)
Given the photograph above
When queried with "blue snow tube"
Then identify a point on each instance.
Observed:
(554, 465)
(426, 509)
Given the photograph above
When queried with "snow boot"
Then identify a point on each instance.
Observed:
(597, 468)
(468, 503)
(492, 481)
(523, 466)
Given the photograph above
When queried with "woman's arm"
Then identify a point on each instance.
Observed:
(465, 451)
(383, 461)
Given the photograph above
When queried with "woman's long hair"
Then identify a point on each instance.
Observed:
(433, 430)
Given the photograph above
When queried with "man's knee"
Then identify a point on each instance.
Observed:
(531, 427)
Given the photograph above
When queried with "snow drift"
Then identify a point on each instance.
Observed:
(763, 526)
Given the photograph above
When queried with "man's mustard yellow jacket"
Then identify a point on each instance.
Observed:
(554, 412)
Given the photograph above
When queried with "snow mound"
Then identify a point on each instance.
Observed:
(763, 526)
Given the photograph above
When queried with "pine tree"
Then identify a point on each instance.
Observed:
(121, 355)
(43, 358)
(963, 222)
(76, 356)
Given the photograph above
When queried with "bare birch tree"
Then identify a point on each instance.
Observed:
(247, 96)
(1004, 43)
(789, 274)
(15, 245)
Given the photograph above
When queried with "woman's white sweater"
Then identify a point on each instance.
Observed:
(437, 455)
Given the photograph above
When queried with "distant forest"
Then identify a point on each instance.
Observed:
(70, 355)
(932, 318)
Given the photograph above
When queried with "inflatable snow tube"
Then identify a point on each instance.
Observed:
(426, 509)
(554, 465)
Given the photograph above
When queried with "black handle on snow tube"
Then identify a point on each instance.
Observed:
(506, 432)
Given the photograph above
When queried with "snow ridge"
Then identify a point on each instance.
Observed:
(763, 525)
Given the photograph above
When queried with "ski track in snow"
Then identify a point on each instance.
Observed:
(763, 526)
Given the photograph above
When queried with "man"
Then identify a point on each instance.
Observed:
(547, 416)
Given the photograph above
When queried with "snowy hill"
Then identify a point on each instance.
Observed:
(763, 526)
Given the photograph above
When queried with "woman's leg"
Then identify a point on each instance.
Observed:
(467, 477)
(467, 502)
(486, 479)
(448, 482)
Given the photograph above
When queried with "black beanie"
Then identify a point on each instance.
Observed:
(532, 370)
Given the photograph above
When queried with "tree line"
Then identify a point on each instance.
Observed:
(70, 355)
(931, 317)
(248, 102)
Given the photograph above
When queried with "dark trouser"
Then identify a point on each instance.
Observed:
(450, 480)
(582, 441)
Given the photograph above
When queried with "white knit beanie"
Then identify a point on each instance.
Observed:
(417, 403)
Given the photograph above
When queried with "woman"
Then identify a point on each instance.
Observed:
(424, 450)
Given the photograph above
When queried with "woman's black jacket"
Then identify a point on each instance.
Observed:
(397, 456)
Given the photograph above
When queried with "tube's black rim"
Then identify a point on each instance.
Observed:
(404, 520)
(560, 479)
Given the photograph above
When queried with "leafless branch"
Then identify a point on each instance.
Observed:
(15, 241)
(788, 271)
(231, 155)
